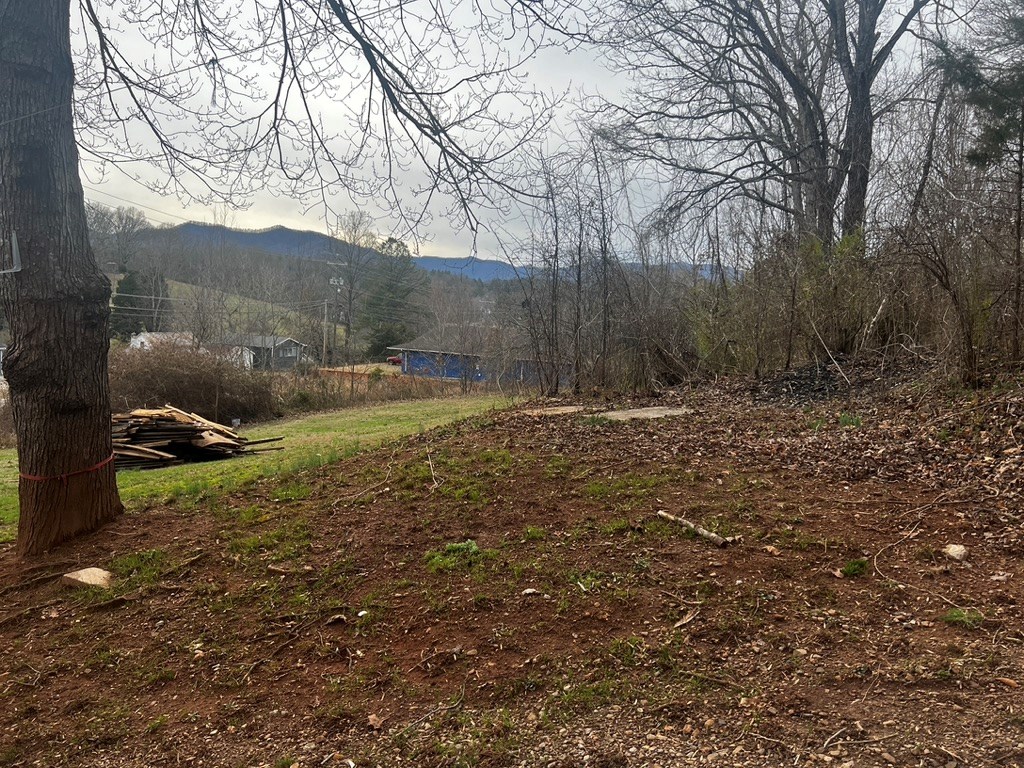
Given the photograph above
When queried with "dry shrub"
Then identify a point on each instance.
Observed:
(324, 390)
(190, 379)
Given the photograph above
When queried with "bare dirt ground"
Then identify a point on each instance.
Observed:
(502, 593)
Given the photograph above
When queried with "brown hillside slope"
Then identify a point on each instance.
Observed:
(502, 593)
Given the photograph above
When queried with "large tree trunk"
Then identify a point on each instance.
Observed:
(860, 123)
(58, 305)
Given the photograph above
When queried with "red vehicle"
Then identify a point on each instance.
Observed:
(395, 360)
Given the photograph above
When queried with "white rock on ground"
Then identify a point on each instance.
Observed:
(88, 577)
(956, 552)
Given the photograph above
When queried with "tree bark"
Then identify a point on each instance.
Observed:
(58, 305)
(860, 124)
(1018, 233)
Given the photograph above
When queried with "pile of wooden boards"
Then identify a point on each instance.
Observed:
(147, 438)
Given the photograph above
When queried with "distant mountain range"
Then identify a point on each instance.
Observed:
(282, 241)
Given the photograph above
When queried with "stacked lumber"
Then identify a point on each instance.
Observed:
(147, 438)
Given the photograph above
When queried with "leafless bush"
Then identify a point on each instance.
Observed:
(324, 390)
(191, 379)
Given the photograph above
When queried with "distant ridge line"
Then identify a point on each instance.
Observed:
(280, 240)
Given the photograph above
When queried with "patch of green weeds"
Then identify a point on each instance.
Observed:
(159, 676)
(246, 545)
(139, 569)
(627, 651)
(641, 564)
(251, 514)
(658, 528)
(447, 476)
(967, 618)
(557, 466)
(468, 490)
(103, 657)
(616, 526)
(108, 726)
(291, 540)
(587, 697)
(382, 675)
(482, 602)
(588, 581)
(534, 533)
(461, 556)
(849, 420)
(794, 539)
(294, 491)
(631, 486)
(286, 542)
(156, 724)
(337, 576)
(720, 525)
(855, 568)
(744, 509)
(373, 608)
(415, 475)
(498, 460)
(340, 712)
(690, 476)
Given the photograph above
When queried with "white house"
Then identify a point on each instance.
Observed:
(240, 355)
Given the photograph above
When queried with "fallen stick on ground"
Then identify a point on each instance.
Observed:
(704, 533)
(264, 440)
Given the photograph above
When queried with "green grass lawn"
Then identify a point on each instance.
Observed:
(309, 441)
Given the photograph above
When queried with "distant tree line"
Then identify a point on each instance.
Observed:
(785, 182)
(349, 303)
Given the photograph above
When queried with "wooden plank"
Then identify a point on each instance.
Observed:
(265, 440)
(205, 422)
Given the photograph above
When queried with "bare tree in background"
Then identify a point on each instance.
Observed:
(774, 100)
(116, 235)
(354, 257)
(230, 105)
(541, 255)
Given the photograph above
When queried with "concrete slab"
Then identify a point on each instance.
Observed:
(88, 577)
(554, 410)
(657, 412)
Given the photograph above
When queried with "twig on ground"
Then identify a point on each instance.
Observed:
(704, 533)
(903, 585)
(757, 735)
(364, 491)
(433, 476)
(24, 612)
(185, 563)
(436, 711)
(833, 737)
(678, 599)
(456, 651)
(713, 679)
(113, 602)
(37, 580)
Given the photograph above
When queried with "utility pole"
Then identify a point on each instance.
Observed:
(337, 283)
(323, 357)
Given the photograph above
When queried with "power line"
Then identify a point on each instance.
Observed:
(135, 204)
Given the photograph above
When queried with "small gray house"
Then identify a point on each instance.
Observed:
(275, 353)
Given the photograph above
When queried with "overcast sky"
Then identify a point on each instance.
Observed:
(553, 70)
